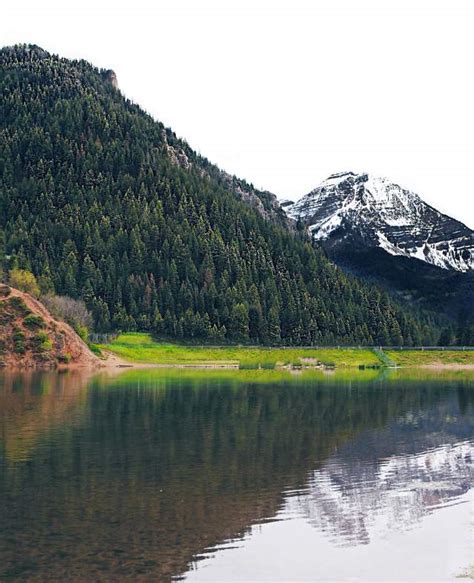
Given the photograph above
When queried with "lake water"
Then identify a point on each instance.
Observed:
(161, 475)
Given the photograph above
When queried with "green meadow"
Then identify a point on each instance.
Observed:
(430, 357)
(141, 348)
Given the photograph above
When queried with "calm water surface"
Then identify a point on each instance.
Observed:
(236, 476)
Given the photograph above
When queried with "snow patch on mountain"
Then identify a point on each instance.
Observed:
(385, 215)
(389, 247)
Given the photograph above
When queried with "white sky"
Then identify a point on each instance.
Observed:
(284, 93)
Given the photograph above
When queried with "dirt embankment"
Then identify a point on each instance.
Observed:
(30, 337)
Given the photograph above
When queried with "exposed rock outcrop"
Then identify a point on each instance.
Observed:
(265, 202)
(110, 77)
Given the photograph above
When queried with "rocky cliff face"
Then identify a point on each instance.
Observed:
(265, 202)
(110, 77)
(377, 213)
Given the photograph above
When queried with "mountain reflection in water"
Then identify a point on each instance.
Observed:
(145, 476)
(353, 503)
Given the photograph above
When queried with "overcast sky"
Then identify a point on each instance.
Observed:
(284, 93)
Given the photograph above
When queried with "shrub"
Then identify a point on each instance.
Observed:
(46, 343)
(18, 335)
(82, 332)
(24, 281)
(33, 322)
(41, 342)
(74, 312)
(268, 365)
(19, 306)
(95, 350)
(18, 338)
(5, 314)
(64, 358)
(4, 291)
(248, 365)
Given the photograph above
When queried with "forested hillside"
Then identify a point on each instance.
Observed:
(103, 203)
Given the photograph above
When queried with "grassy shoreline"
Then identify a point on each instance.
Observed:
(140, 348)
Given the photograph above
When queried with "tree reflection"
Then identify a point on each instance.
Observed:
(130, 478)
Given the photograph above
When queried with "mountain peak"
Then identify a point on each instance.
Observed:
(381, 213)
(26, 51)
(339, 177)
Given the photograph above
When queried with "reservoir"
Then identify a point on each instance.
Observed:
(237, 475)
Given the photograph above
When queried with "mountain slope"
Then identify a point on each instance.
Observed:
(378, 213)
(376, 230)
(102, 202)
(31, 337)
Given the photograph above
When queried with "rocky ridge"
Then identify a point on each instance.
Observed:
(375, 212)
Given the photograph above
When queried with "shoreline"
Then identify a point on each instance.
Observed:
(442, 366)
(115, 363)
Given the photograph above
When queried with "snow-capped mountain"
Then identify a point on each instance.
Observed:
(379, 213)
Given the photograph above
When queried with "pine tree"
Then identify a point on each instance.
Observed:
(239, 323)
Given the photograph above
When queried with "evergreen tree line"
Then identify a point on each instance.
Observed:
(93, 204)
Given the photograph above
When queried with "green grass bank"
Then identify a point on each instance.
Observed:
(141, 348)
(431, 357)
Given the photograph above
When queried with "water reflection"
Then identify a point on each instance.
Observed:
(134, 478)
(353, 503)
(32, 405)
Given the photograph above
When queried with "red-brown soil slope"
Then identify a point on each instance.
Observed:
(30, 337)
